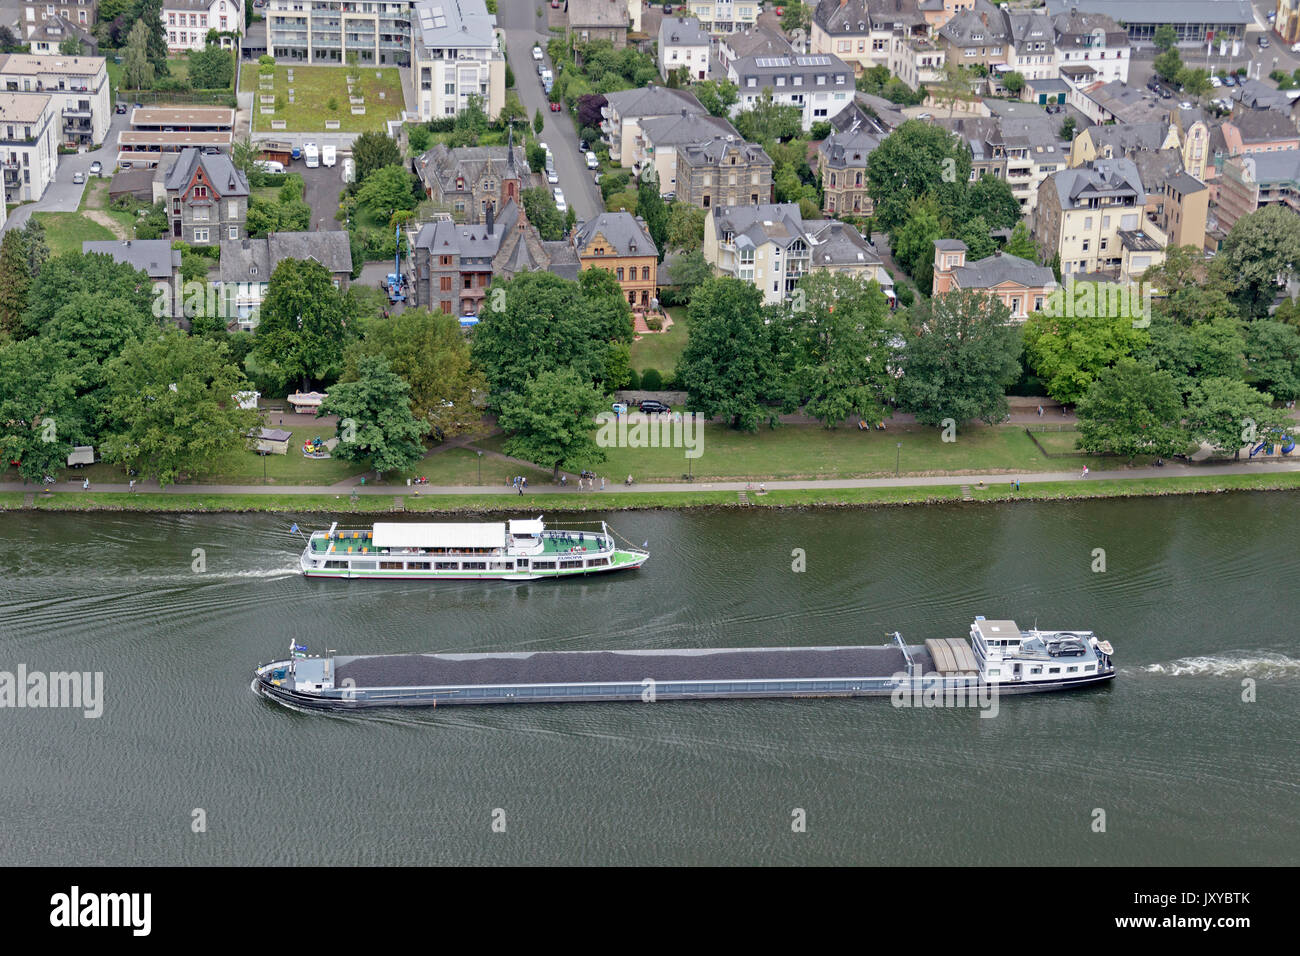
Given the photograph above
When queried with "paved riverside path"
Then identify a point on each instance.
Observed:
(902, 481)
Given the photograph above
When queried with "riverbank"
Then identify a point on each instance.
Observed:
(977, 488)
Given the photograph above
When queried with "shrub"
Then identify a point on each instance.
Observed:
(654, 323)
(332, 104)
(651, 380)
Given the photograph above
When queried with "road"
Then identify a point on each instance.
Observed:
(523, 28)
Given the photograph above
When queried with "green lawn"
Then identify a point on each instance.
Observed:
(66, 231)
(314, 86)
(96, 197)
(460, 466)
(660, 350)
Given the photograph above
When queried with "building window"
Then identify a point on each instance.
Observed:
(200, 235)
(619, 273)
(645, 273)
(234, 232)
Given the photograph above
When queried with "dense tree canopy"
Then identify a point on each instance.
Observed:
(916, 160)
(726, 365)
(304, 324)
(550, 419)
(375, 420)
(1131, 409)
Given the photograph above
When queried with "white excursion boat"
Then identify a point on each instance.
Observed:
(500, 550)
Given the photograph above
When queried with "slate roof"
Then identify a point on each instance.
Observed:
(848, 149)
(652, 101)
(1279, 166)
(471, 162)
(1003, 267)
(779, 223)
(759, 41)
(1125, 137)
(1102, 177)
(597, 14)
(621, 230)
(833, 243)
(253, 260)
(857, 17)
(685, 127)
(1074, 28)
(682, 31)
(1262, 126)
(1029, 29)
(446, 237)
(965, 26)
(220, 171)
(154, 257)
(1128, 104)
(711, 152)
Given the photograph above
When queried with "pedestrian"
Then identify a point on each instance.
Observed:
(1017, 484)
(85, 484)
(132, 485)
(1040, 411)
(602, 482)
(519, 489)
(1085, 472)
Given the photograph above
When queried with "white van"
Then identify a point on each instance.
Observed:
(311, 154)
(327, 155)
(592, 161)
(349, 169)
(269, 165)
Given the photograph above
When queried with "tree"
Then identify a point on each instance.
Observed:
(768, 121)
(1020, 244)
(212, 68)
(172, 406)
(387, 190)
(979, 244)
(377, 407)
(70, 46)
(1168, 65)
(373, 151)
(1194, 82)
(717, 96)
(913, 244)
(419, 138)
(1203, 350)
(687, 272)
(539, 122)
(962, 354)
(1273, 357)
(8, 42)
(1068, 351)
(243, 154)
(725, 365)
(954, 86)
(795, 17)
(75, 277)
(916, 160)
(1165, 37)
(1261, 250)
(842, 336)
(540, 208)
(1131, 409)
(149, 12)
(38, 401)
(137, 71)
(685, 227)
(549, 420)
(1188, 290)
(304, 323)
(992, 198)
(15, 281)
(1014, 82)
(650, 206)
(1066, 132)
(1225, 414)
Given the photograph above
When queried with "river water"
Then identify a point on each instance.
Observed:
(1198, 597)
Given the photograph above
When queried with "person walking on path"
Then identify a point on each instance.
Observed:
(1085, 472)
(85, 484)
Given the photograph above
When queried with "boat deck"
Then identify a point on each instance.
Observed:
(360, 543)
(586, 667)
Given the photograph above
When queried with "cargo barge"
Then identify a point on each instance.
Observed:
(999, 658)
(491, 550)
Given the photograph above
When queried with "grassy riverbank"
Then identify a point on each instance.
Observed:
(999, 491)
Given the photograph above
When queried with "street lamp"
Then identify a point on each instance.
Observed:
(898, 457)
(480, 467)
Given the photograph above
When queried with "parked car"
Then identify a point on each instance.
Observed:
(349, 169)
(552, 176)
(1263, 43)
(560, 204)
(96, 168)
(582, 145)
(652, 407)
(1295, 47)
(78, 177)
(268, 165)
(668, 8)
(1216, 82)
(327, 155)
(592, 161)
(537, 53)
(555, 107)
(1229, 80)
(121, 107)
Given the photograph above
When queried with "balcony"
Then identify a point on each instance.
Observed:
(77, 111)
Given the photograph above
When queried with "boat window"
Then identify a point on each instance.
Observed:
(390, 565)
(474, 566)
(523, 562)
(448, 566)
(570, 564)
(1053, 670)
(1035, 670)
(543, 565)
(336, 564)
(364, 566)
(417, 565)
(503, 566)
(1071, 670)
(597, 562)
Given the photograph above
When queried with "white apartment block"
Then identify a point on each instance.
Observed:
(684, 43)
(455, 55)
(339, 32)
(187, 22)
(77, 86)
(28, 144)
(819, 85)
(725, 16)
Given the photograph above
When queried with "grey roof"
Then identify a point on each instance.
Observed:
(626, 234)
(857, 17)
(1164, 11)
(471, 163)
(713, 151)
(950, 245)
(833, 243)
(765, 69)
(601, 14)
(443, 24)
(682, 31)
(1128, 104)
(1157, 166)
(1076, 28)
(563, 260)
(848, 149)
(446, 237)
(1048, 85)
(1262, 126)
(1125, 137)
(220, 171)
(1101, 177)
(154, 257)
(1030, 29)
(779, 223)
(132, 180)
(652, 101)
(759, 41)
(984, 25)
(1258, 95)
(1016, 108)
(1279, 166)
(685, 127)
(253, 260)
(1186, 184)
(1003, 267)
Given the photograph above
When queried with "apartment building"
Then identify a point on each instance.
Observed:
(466, 180)
(977, 37)
(187, 22)
(773, 247)
(862, 32)
(340, 32)
(1247, 183)
(917, 61)
(77, 86)
(818, 85)
(1094, 40)
(50, 34)
(725, 171)
(1022, 150)
(661, 136)
(1022, 286)
(842, 163)
(1182, 209)
(760, 41)
(455, 55)
(28, 144)
(1093, 217)
(207, 198)
(625, 111)
(684, 44)
(725, 16)
(1032, 53)
(620, 242)
(81, 13)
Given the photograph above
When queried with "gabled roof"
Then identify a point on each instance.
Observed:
(154, 257)
(1074, 28)
(217, 167)
(600, 14)
(833, 243)
(682, 31)
(652, 101)
(685, 127)
(779, 223)
(470, 162)
(253, 260)
(1030, 29)
(760, 41)
(713, 151)
(984, 25)
(625, 233)
(1102, 177)
(1002, 267)
(858, 17)
(446, 237)
(1125, 137)
(848, 149)
(1263, 126)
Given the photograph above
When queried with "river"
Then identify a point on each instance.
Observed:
(1198, 597)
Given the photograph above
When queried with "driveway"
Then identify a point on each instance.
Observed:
(321, 189)
(522, 29)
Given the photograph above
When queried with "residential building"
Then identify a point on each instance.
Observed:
(759, 41)
(78, 88)
(50, 34)
(187, 22)
(725, 170)
(625, 110)
(456, 55)
(842, 163)
(979, 36)
(1122, 140)
(1093, 217)
(335, 32)
(684, 44)
(207, 198)
(1092, 38)
(599, 20)
(1183, 209)
(773, 247)
(1022, 149)
(862, 32)
(1192, 20)
(81, 13)
(1256, 95)
(917, 61)
(660, 138)
(154, 257)
(939, 12)
(819, 85)
(465, 180)
(1247, 183)
(1193, 127)
(1249, 132)
(1021, 285)
(247, 266)
(1287, 24)
(1114, 102)
(620, 242)
(874, 113)
(1032, 53)
(28, 144)
(725, 16)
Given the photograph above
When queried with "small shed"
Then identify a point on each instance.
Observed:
(277, 152)
(81, 456)
(306, 403)
(247, 400)
(271, 441)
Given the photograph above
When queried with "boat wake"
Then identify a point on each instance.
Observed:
(1266, 665)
